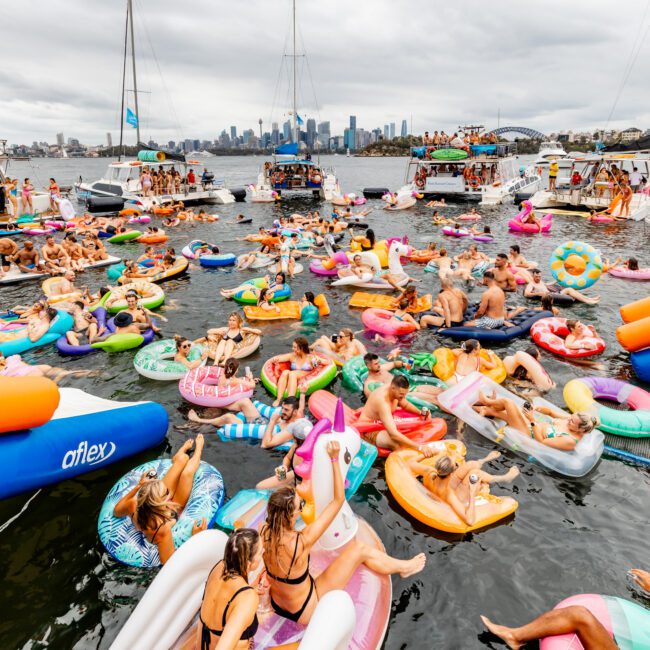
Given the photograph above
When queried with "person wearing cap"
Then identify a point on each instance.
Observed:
(553, 169)
(124, 324)
(291, 410)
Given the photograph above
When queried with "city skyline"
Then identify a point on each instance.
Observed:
(234, 77)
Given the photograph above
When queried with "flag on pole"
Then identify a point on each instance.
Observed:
(299, 120)
(131, 118)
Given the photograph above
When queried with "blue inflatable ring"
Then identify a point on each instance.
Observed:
(593, 264)
(127, 544)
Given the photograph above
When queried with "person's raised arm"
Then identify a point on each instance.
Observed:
(312, 533)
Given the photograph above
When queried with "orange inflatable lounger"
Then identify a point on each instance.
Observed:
(635, 335)
(26, 402)
(635, 310)
(364, 300)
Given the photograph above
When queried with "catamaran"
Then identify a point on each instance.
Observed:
(291, 171)
(123, 178)
(489, 173)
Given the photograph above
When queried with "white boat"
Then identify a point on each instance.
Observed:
(40, 200)
(486, 173)
(549, 150)
(291, 172)
(122, 178)
(595, 194)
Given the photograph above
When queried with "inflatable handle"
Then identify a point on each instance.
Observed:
(336, 606)
(306, 451)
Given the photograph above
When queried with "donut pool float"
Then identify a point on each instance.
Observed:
(317, 378)
(550, 333)
(576, 254)
(200, 386)
(127, 544)
(156, 360)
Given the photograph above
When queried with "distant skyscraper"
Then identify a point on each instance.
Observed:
(311, 132)
(233, 133)
(392, 130)
(109, 140)
(287, 131)
(275, 134)
(171, 145)
(349, 139)
(404, 131)
(386, 132)
(353, 122)
(60, 140)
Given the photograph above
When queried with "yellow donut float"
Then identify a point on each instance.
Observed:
(446, 365)
(576, 264)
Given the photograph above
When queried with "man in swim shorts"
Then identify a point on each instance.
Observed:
(28, 259)
(55, 258)
(449, 308)
(491, 313)
(8, 250)
(502, 274)
(381, 405)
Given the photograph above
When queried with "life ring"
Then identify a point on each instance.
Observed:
(137, 163)
(474, 182)
(420, 182)
(593, 264)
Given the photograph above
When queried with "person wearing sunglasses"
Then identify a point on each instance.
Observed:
(154, 504)
(340, 347)
(294, 592)
(183, 348)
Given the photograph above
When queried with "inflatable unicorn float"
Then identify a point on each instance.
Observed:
(401, 200)
(167, 613)
(348, 199)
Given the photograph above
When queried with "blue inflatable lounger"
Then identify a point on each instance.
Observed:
(84, 434)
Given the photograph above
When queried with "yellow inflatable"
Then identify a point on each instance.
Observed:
(48, 286)
(446, 365)
(380, 249)
(427, 508)
(380, 301)
(289, 309)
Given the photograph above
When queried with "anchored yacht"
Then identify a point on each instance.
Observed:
(549, 150)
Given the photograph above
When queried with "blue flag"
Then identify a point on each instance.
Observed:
(299, 120)
(131, 118)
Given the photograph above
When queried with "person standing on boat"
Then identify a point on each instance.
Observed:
(146, 181)
(191, 180)
(436, 139)
(26, 197)
(635, 180)
(426, 139)
(55, 194)
(553, 169)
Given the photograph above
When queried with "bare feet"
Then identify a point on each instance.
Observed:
(503, 632)
(493, 455)
(198, 445)
(414, 565)
(193, 417)
(511, 474)
(187, 445)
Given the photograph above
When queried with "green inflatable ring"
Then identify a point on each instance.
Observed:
(119, 342)
(154, 361)
(247, 296)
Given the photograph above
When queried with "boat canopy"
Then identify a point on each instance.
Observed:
(290, 148)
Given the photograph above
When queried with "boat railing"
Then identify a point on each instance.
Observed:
(498, 150)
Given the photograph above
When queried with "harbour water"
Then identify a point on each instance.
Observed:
(60, 589)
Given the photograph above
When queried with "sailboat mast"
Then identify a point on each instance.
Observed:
(126, 40)
(135, 82)
(295, 88)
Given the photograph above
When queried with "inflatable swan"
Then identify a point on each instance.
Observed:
(169, 607)
(368, 281)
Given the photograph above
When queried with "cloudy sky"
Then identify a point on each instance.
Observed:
(209, 64)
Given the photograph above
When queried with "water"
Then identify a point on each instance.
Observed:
(61, 590)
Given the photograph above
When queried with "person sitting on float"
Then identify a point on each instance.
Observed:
(294, 592)
(154, 504)
(561, 432)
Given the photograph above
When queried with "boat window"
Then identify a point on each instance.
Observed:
(125, 173)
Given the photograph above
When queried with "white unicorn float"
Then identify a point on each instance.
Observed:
(167, 614)
(376, 279)
(400, 200)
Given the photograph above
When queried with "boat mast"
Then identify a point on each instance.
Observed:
(295, 89)
(126, 37)
(135, 83)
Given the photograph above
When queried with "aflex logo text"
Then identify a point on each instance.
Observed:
(85, 455)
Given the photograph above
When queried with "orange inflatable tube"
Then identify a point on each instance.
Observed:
(363, 300)
(152, 239)
(635, 310)
(127, 212)
(26, 402)
(635, 335)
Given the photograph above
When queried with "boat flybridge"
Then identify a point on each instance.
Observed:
(595, 186)
(123, 179)
(289, 174)
(489, 173)
(549, 150)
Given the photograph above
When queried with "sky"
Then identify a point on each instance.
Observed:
(209, 64)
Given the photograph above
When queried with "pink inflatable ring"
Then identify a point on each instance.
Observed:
(549, 333)
(200, 386)
(384, 322)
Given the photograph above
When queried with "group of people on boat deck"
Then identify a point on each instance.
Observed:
(485, 173)
(293, 175)
(169, 181)
(443, 140)
(9, 196)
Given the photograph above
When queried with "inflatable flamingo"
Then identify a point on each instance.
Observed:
(517, 224)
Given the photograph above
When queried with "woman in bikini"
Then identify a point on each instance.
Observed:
(154, 504)
(224, 342)
(341, 347)
(524, 365)
(302, 363)
(366, 242)
(468, 360)
(228, 615)
(26, 197)
(294, 592)
(563, 432)
(450, 482)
